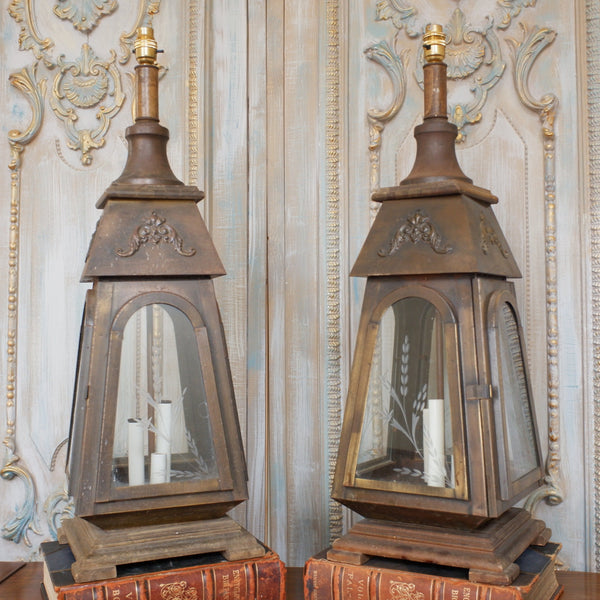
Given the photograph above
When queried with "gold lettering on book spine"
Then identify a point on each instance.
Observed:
(404, 591)
(178, 591)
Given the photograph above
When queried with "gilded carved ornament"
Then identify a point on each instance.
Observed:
(24, 521)
(84, 84)
(525, 53)
(84, 15)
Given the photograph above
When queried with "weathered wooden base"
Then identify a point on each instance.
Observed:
(488, 551)
(98, 551)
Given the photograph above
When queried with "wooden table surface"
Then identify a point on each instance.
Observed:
(24, 584)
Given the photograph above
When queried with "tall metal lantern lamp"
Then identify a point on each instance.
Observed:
(156, 457)
(439, 438)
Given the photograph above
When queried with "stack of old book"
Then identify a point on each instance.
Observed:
(385, 579)
(202, 577)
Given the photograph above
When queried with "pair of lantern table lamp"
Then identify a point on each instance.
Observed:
(439, 438)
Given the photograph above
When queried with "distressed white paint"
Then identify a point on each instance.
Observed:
(245, 99)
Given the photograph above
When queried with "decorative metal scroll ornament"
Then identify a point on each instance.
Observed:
(489, 237)
(418, 228)
(154, 230)
(510, 9)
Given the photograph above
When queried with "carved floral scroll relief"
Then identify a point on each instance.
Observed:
(475, 61)
(84, 88)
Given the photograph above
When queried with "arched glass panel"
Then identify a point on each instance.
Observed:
(407, 435)
(514, 409)
(162, 427)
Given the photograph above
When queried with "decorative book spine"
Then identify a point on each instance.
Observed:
(253, 580)
(327, 580)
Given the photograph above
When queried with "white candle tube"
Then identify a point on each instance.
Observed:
(163, 437)
(135, 451)
(158, 467)
(436, 443)
(426, 445)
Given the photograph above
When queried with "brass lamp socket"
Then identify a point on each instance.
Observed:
(145, 46)
(434, 43)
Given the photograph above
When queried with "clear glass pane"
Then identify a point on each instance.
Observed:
(162, 427)
(407, 434)
(518, 419)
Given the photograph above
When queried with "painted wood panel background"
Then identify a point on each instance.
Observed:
(289, 114)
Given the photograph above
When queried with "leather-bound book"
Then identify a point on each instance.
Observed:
(202, 577)
(386, 579)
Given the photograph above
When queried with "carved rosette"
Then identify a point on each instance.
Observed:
(155, 230)
(418, 228)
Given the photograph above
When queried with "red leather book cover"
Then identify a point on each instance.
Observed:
(204, 577)
(383, 579)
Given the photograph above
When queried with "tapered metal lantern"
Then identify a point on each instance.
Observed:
(439, 437)
(156, 457)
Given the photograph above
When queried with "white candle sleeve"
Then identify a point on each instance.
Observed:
(437, 445)
(426, 445)
(158, 467)
(163, 437)
(135, 451)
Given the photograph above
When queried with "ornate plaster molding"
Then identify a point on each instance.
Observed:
(511, 8)
(84, 15)
(29, 37)
(25, 81)
(82, 84)
(71, 91)
(334, 357)
(473, 54)
(592, 15)
(86, 83)
(525, 54)
(394, 65)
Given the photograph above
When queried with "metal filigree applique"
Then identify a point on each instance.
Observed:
(418, 228)
(84, 14)
(178, 591)
(154, 231)
(489, 237)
